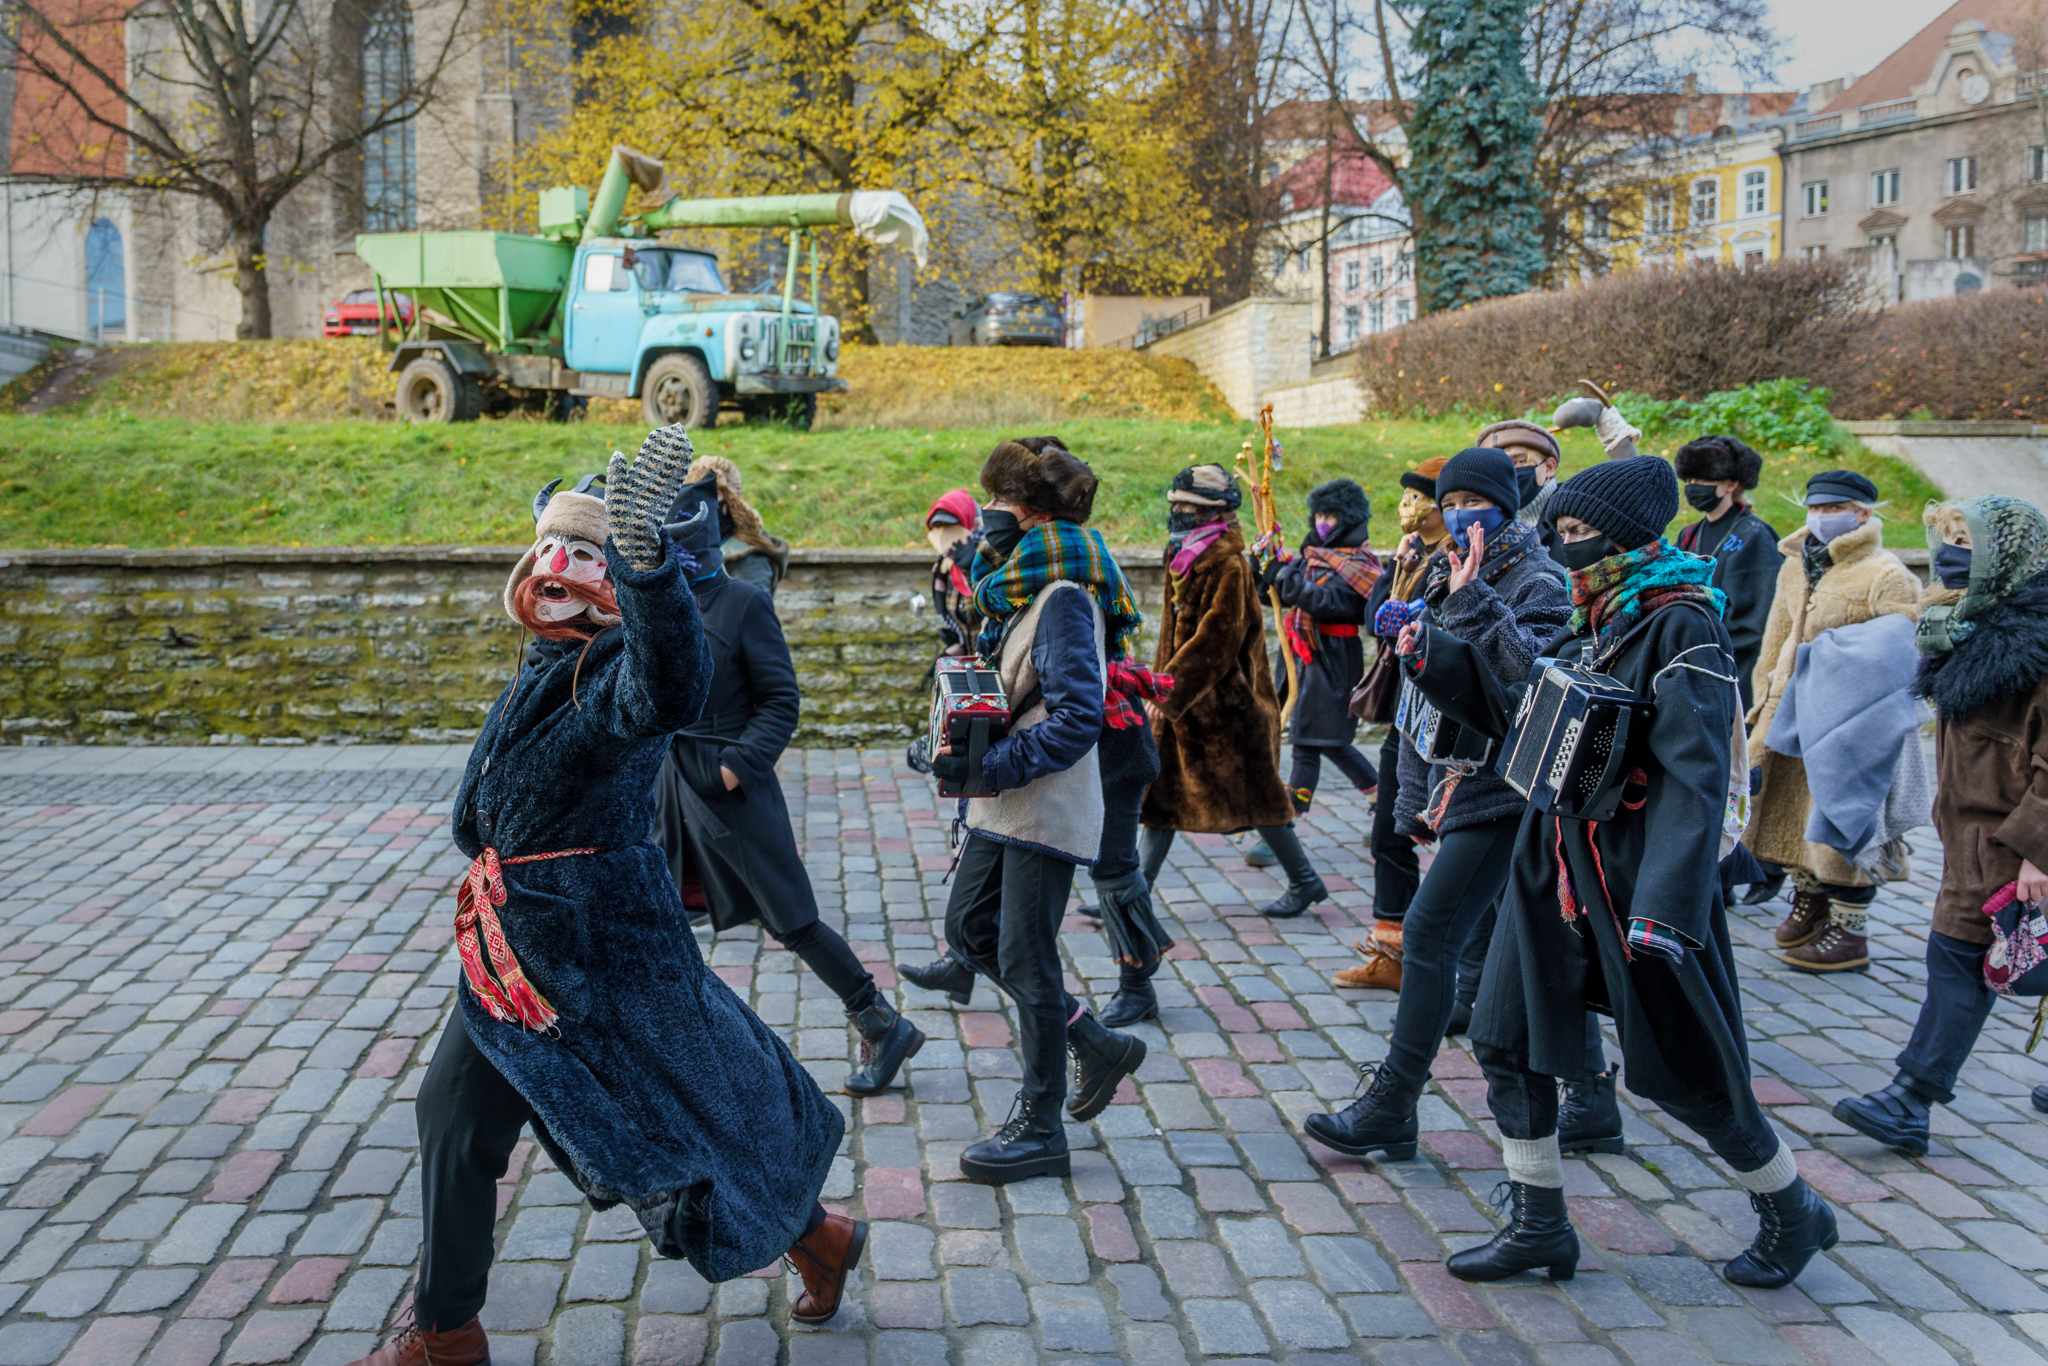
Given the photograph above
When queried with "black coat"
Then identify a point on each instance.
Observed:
(1680, 1024)
(657, 1087)
(1746, 566)
(739, 843)
(1335, 663)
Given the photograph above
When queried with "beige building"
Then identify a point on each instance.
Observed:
(1931, 166)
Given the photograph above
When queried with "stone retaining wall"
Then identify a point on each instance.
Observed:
(288, 646)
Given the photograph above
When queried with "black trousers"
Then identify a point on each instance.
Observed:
(1470, 869)
(825, 951)
(1003, 920)
(1307, 772)
(1396, 866)
(1952, 1015)
(1472, 966)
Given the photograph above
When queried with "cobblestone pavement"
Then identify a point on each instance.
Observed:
(221, 972)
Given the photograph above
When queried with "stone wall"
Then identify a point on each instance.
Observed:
(1332, 401)
(1246, 349)
(288, 646)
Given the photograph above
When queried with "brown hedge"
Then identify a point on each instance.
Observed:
(1977, 356)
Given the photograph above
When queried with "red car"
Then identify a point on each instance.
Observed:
(356, 314)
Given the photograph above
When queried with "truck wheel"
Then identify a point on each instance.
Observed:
(678, 391)
(429, 390)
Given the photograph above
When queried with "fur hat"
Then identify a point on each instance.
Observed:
(1049, 480)
(1342, 499)
(1423, 477)
(575, 512)
(1516, 432)
(1710, 459)
(1632, 499)
(746, 523)
(1208, 486)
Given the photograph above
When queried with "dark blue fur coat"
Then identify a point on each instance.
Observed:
(663, 1090)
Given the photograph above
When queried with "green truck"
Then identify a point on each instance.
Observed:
(596, 306)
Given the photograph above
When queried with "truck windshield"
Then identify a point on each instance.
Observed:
(686, 272)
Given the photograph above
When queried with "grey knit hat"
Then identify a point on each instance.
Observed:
(1632, 500)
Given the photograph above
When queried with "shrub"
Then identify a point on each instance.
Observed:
(1771, 415)
(1977, 356)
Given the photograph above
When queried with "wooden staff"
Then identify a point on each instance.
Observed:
(1268, 459)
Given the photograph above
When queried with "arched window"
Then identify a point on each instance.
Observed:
(106, 280)
(390, 173)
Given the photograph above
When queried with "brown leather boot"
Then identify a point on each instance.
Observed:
(1808, 918)
(825, 1257)
(1834, 950)
(415, 1346)
(1381, 969)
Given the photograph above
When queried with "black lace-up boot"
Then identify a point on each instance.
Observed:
(949, 975)
(1538, 1235)
(1380, 1121)
(1032, 1142)
(887, 1041)
(1589, 1116)
(1793, 1225)
(1102, 1058)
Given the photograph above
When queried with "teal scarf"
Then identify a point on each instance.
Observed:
(1613, 595)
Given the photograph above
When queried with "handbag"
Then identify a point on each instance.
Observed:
(2017, 963)
(1372, 701)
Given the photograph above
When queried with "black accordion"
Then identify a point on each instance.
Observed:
(1436, 737)
(1568, 750)
(969, 713)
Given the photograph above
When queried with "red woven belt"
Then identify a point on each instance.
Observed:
(1344, 630)
(509, 996)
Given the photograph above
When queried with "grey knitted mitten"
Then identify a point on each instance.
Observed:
(638, 496)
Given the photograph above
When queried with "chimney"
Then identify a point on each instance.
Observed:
(1824, 93)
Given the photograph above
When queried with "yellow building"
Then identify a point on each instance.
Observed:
(1710, 197)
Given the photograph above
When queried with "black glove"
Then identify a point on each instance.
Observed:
(1269, 573)
(950, 768)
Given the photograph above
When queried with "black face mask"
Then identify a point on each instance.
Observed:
(1952, 565)
(1703, 497)
(1578, 555)
(1001, 530)
(1525, 482)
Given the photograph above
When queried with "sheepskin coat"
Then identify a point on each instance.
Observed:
(1219, 746)
(1864, 581)
(658, 1087)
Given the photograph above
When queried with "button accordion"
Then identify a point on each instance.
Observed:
(969, 712)
(1436, 737)
(1568, 750)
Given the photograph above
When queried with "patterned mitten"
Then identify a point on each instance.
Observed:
(638, 494)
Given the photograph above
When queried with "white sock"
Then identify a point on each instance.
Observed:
(1534, 1161)
(1781, 1171)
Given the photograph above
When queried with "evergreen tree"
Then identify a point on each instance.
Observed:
(1471, 181)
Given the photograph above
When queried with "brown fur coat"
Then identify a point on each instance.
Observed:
(1865, 581)
(1219, 747)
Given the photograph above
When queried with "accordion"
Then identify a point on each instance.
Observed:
(1437, 738)
(1568, 749)
(969, 712)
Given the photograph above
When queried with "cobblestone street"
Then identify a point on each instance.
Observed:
(222, 972)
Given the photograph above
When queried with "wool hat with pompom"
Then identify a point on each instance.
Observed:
(1632, 500)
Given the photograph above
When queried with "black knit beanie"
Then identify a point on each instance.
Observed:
(1631, 500)
(1483, 470)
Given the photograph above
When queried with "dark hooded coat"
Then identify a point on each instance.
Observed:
(1746, 565)
(1680, 1023)
(1336, 661)
(658, 1087)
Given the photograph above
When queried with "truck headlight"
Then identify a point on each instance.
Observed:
(747, 348)
(832, 347)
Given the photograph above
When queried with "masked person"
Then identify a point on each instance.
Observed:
(751, 554)
(1624, 915)
(1494, 587)
(585, 1010)
(1536, 455)
(1717, 472)
(719, 812)
(1219, 730)
(953, 526)
(1835, 572)
(1055, 611)
(1983, 643)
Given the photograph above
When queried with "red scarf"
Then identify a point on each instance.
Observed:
(1358, 567)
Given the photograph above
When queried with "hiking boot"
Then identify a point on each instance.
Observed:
(887, 1041)
(1808, 917)
(1897, 1117)
(416, 1346)
(1538, 1234)
(1380, 1121)
(1835, 950)
(1032, 1142)
(1793, 1225)
(949, 975)
(1589, 1116)
(1380, 969)
(1102, 1058)
(1134, 1002)
(824, 1258)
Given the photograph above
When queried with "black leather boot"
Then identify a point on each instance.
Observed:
(1102, 1058)
(887, 1041)
(1380, 1121)
(1032, 1142)
(1760, 893)
(1589, 1116)
(949, 975)
(1538, 1234)
(1304, 887)
(1461, 1019)
(1895, 1117)
(1134, 1001)
(1793, 1225)
(1153, 847)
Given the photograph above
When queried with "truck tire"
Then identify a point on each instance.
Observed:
(678, 390)
(429, 390)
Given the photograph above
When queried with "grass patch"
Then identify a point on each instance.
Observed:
(157, 482)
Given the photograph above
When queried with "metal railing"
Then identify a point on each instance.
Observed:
(1155, 328)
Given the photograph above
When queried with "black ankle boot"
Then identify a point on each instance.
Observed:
(1897, 1117)
(949, 975)
(887, 1041)
(1589, 1116)
(1537, 1235)
(1461, 1019)
(1134, 1001)
(1380, 1121)
(1032, 1142)
(1760, 893)
(1304, 887)
(1102, 1058)
(1793, 1225)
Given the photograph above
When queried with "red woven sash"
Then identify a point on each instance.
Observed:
(508, 996)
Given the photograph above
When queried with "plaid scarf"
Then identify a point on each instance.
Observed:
(1128, 686)
(1049, 552)
(1358, 567)
(1611, 597)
